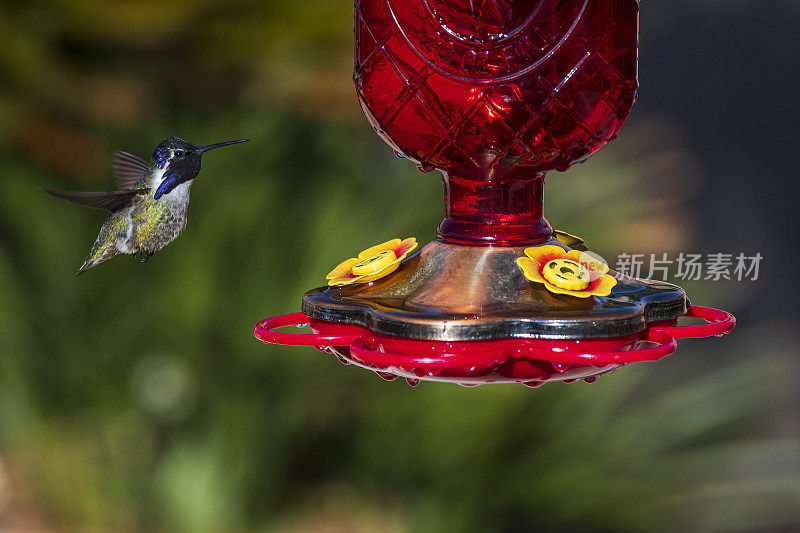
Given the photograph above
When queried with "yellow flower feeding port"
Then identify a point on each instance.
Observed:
(569, 272)
(373, 263)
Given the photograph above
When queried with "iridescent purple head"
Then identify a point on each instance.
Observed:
(165, 149)
(181, 159)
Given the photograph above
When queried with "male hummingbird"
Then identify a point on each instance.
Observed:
(148, 209)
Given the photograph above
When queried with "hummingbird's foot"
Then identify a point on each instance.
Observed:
(146, 256)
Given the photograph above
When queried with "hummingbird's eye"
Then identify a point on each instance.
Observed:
(179, 153)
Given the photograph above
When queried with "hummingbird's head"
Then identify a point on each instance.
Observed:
(180, 161)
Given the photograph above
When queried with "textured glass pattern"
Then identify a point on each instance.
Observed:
(488, 89)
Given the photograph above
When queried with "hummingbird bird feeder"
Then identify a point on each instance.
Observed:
(493, 94)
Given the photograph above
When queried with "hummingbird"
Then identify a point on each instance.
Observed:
(148, 209)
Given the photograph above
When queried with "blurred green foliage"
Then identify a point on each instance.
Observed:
(135, 398)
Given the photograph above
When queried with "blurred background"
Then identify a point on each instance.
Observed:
(134, 398)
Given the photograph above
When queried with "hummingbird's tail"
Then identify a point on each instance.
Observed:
(95, 257)
(84, 267)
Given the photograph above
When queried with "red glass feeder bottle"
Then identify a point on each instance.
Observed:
(494, 94)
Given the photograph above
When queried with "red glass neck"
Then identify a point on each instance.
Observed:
(494, 213)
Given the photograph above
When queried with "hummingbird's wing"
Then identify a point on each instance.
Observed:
(128, 169)
(108, 200)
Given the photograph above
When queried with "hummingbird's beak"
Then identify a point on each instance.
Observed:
(217, 145)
